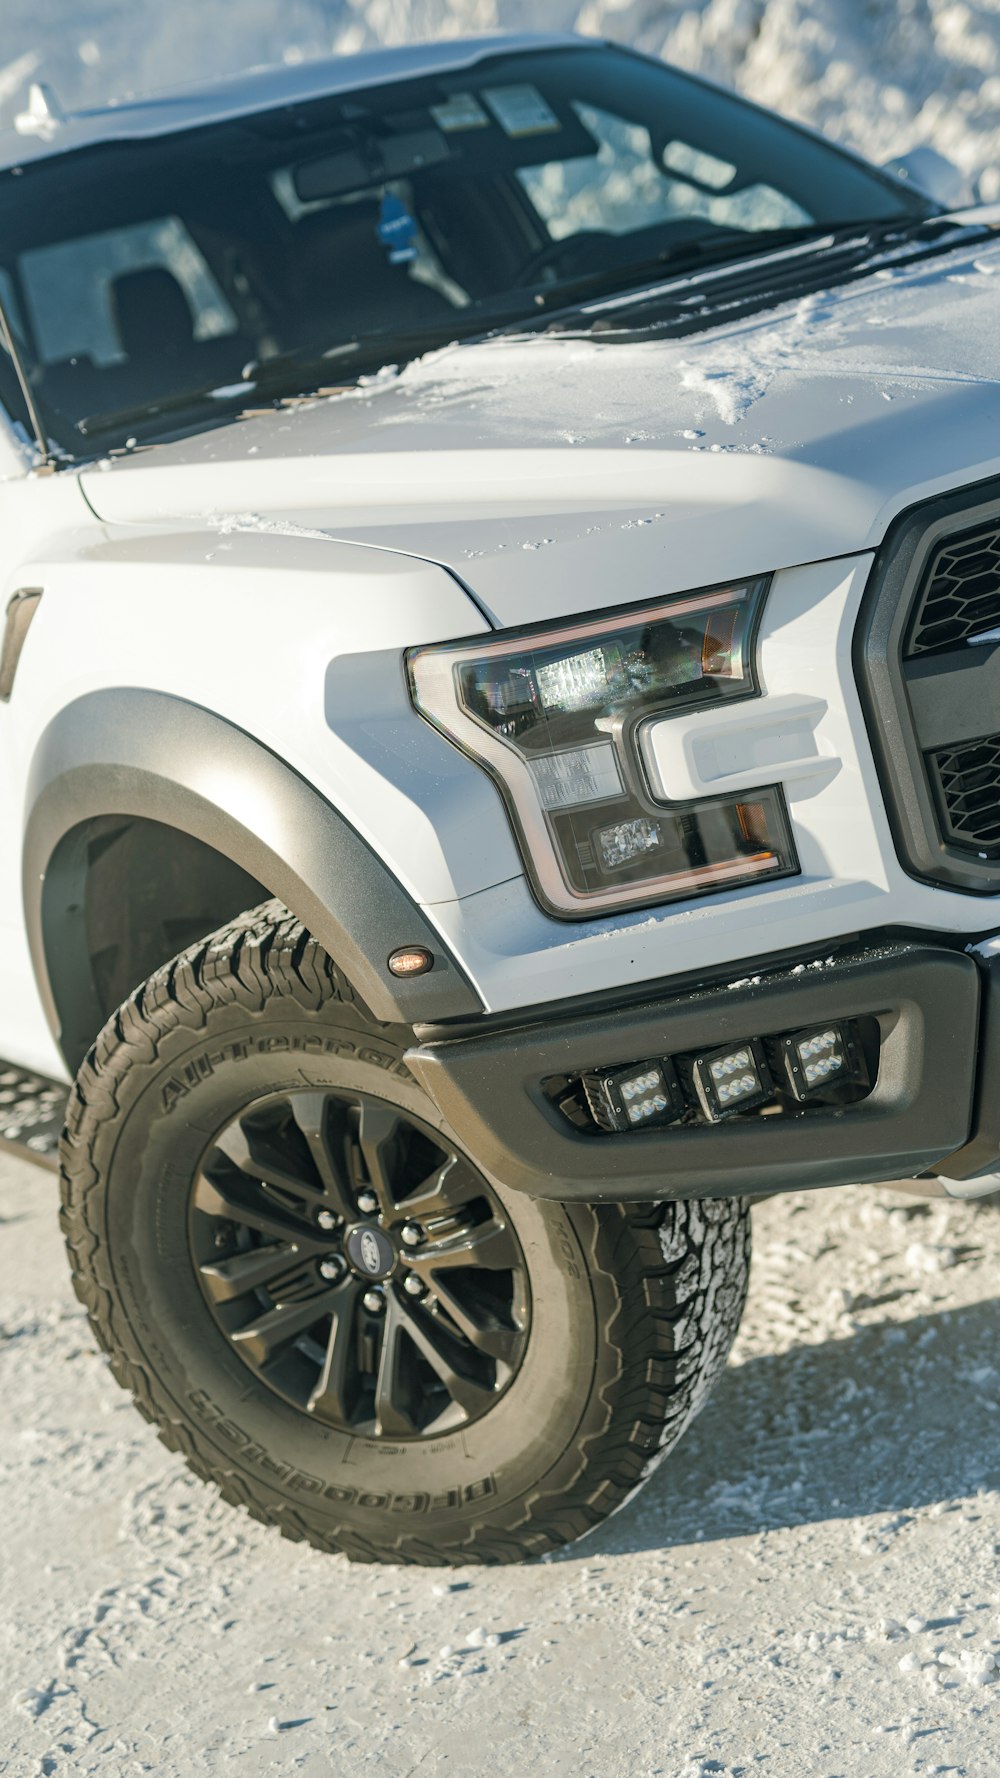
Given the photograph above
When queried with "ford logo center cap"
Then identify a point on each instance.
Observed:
(370, 1252)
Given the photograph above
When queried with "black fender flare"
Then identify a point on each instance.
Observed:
(134, 752)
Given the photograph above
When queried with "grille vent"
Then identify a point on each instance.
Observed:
(960, 596)
(967, 780)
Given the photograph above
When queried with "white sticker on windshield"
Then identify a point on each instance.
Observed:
(461, 112)
(521, 110)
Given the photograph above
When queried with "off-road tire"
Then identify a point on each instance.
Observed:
(638, 1304)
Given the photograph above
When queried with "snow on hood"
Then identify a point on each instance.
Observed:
(558, 474)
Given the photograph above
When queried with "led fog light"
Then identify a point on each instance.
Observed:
(827, 1056)
(735, 1079)
(647, 1093)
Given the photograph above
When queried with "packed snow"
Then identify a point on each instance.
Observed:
(808, 1587)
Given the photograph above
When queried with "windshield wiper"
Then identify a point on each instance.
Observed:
(717, 249)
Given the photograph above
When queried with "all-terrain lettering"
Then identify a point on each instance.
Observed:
(204, 1065)
(305, 1483)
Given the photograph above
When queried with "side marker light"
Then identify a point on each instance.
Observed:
(411, 960)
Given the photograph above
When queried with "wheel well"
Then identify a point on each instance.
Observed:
(122, 896)
(109, 897)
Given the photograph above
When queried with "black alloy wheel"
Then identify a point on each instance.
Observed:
(359, 1265)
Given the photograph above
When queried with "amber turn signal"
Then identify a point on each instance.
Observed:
(411, 960)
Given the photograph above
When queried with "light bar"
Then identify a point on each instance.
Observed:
(735, 1079)
(826, 1056)
(643, 1096)
(824, 1063)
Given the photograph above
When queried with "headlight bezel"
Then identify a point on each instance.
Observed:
(433, 675)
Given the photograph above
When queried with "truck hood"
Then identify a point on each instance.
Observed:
(555, 475)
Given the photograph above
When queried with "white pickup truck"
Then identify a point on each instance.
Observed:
(499, 750)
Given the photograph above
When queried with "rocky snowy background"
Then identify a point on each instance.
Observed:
(879, 74)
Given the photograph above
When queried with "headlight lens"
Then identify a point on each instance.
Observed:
(552, 715)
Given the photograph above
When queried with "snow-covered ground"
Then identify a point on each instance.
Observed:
(808, 1589)
(880, 74)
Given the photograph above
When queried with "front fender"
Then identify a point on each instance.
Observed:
(144, 753)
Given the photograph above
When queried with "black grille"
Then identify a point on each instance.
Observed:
(968, 785)
(960, 596)
(932, 701)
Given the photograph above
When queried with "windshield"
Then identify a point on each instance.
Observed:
(137, 273)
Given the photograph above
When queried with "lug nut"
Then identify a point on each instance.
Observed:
(373, 1301)
(411, 1234)
(325, 1219)
(331, 1267)
(412, 1285)
(367, 1203)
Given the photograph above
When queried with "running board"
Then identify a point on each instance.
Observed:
(32, 1111)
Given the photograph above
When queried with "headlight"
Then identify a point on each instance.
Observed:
(552, 713)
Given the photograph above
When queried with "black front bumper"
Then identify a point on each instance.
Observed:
(928, 1102)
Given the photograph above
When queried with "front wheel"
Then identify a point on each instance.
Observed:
(319, 1299)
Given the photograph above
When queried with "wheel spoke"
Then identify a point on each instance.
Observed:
(262, 1339)
(392, 1416)
(377, 1131)
(442, 1355)
(491, 1246)
(226, 1279)
(310, 1111)
(259, 1161)
(446, 1189)
(494, 1342)
(239, 1202)
(329, 1399)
